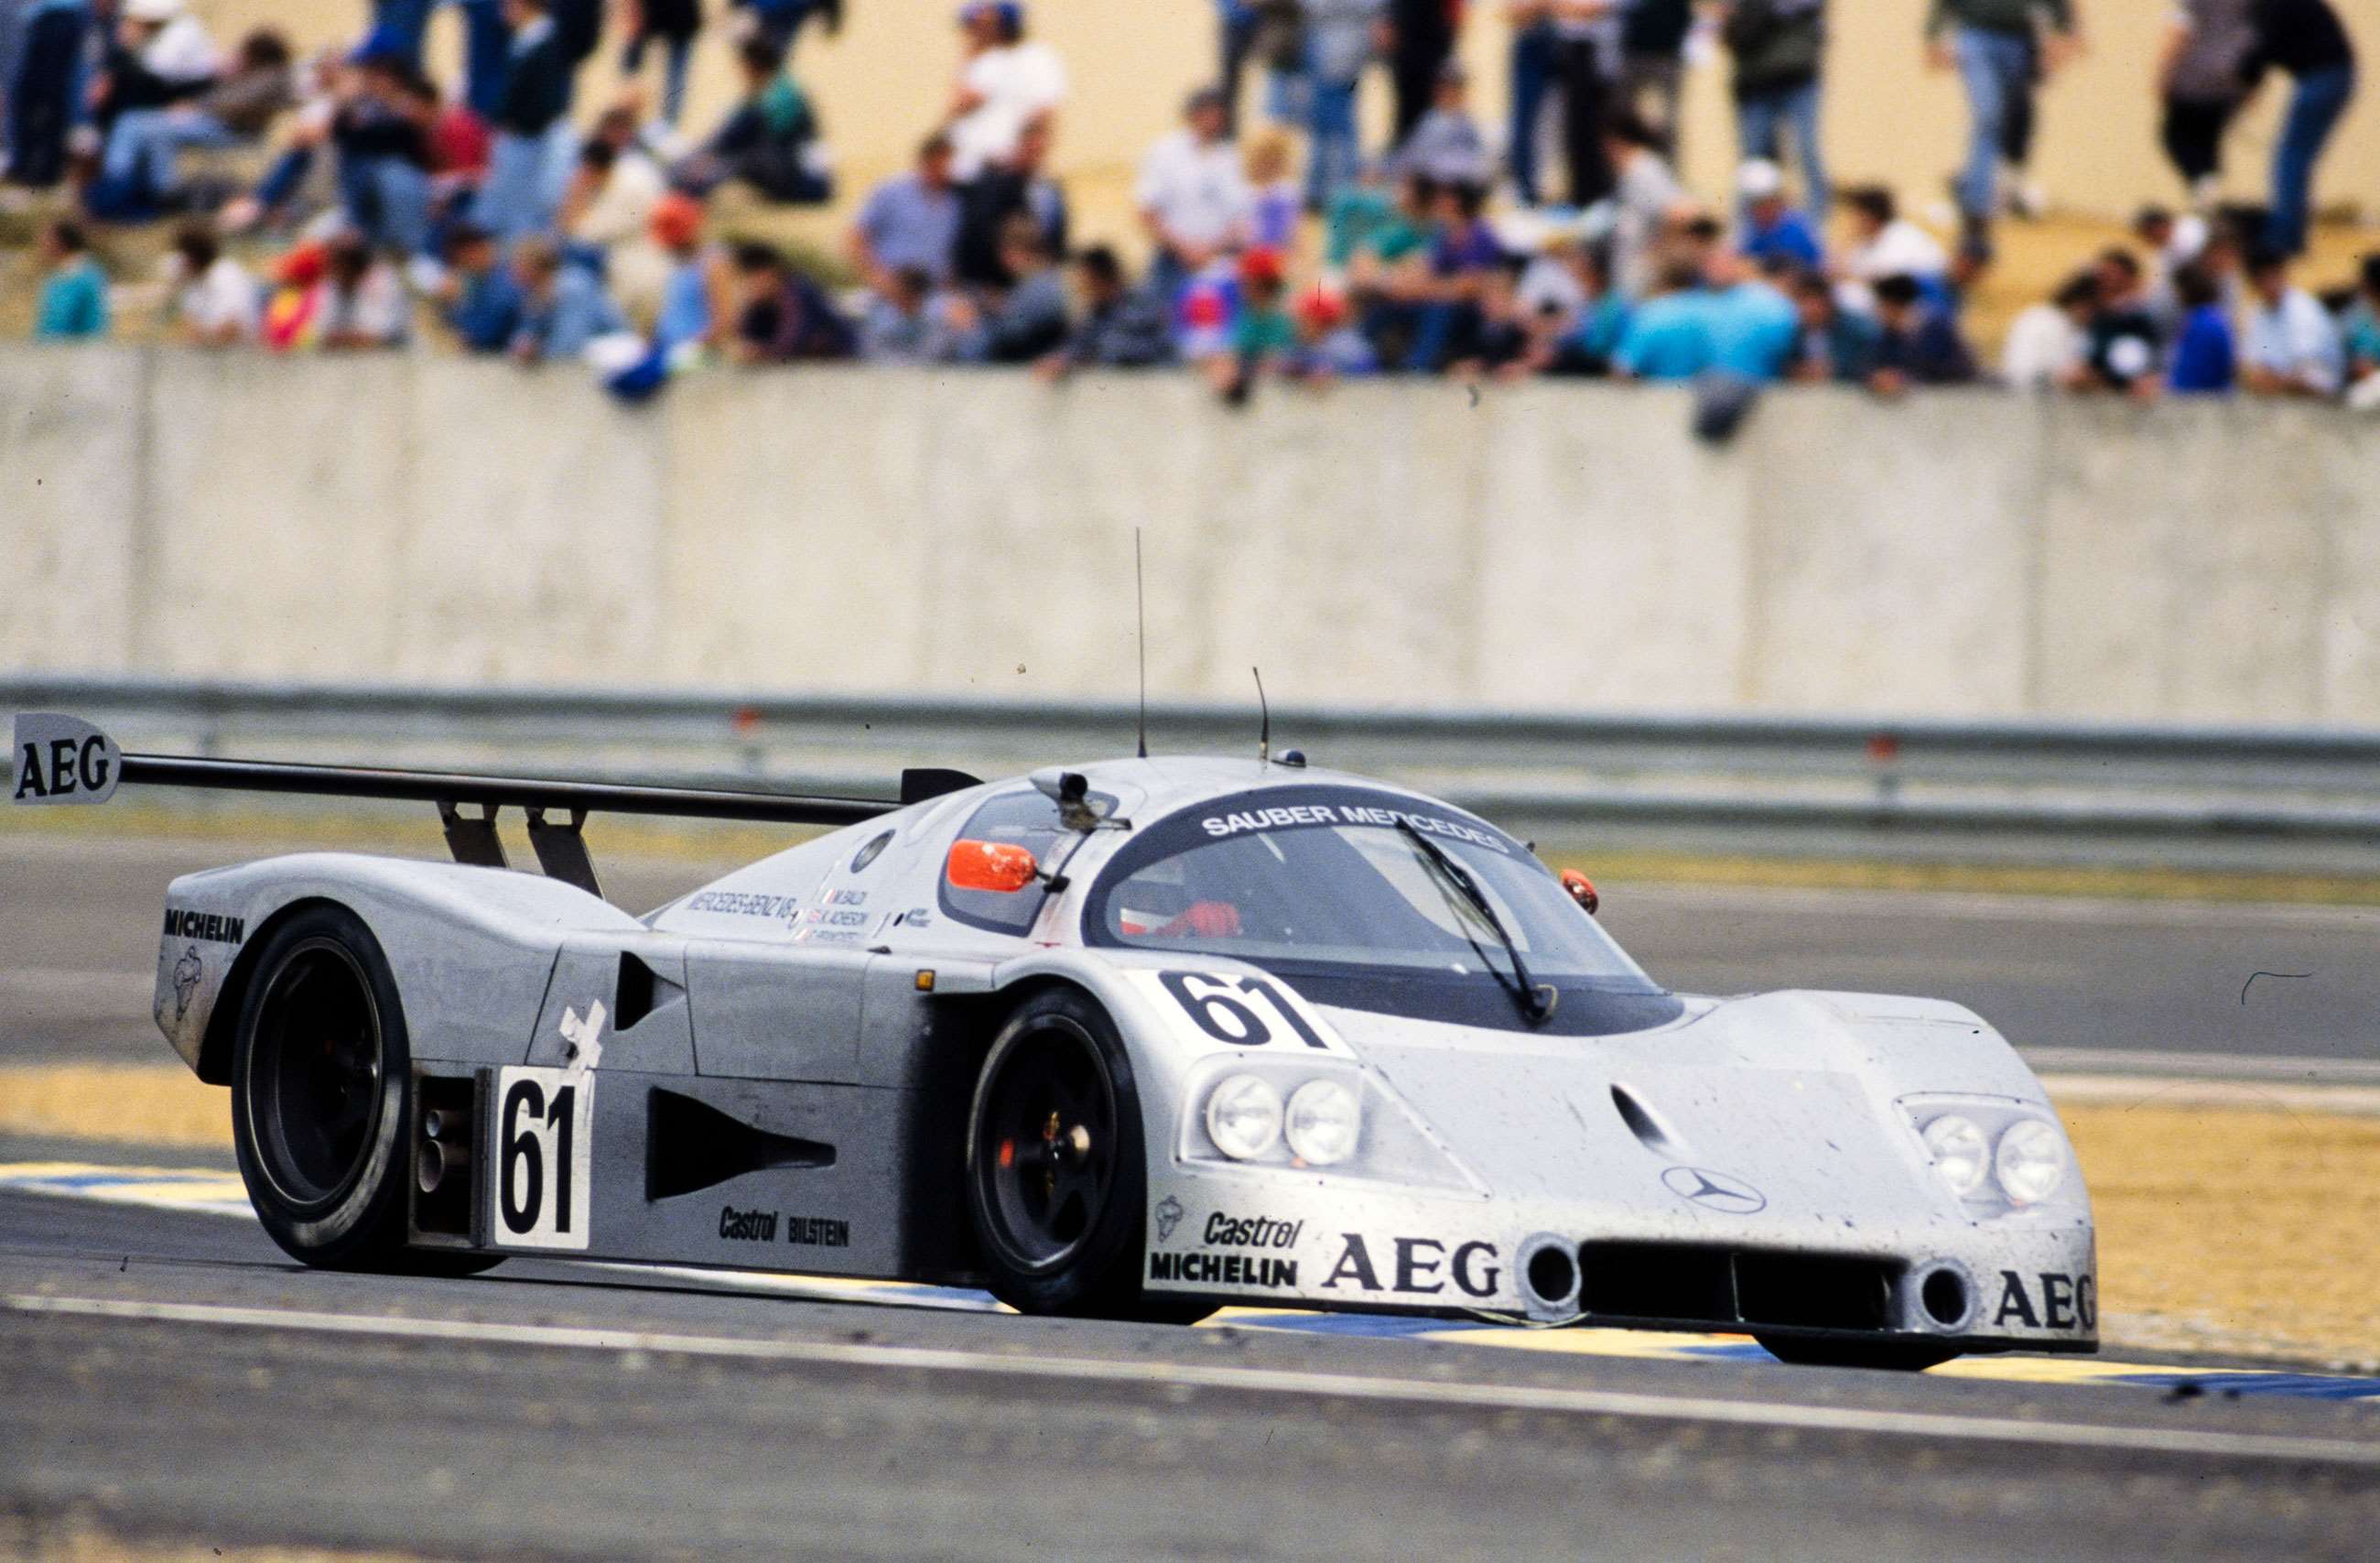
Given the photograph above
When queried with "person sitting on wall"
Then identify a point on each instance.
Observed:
(1837, 345)
(910, 320)
(216, 303)
(562, 308)
(1263, 339)
(1773, 228)
(73, 304)
(477, 298)
(698, 297)
(1026, 320)
(337, 296)
(783, 317)
(2290, 346)
(2122, 349)
(1669, 337)
(1917, 342)
(2046, 344)
(1120, 326)
(2206, 351)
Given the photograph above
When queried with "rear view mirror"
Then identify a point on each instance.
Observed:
(1582, 890)
(1000, 867)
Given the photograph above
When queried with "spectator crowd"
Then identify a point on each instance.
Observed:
(525, 220)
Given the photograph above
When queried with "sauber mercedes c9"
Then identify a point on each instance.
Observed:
(1137, 1039)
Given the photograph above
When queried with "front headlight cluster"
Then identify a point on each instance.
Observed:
(1320, 1122)
(1297, 1116)
(1996, 1155)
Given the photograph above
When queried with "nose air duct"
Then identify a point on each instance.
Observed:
(1548, 1265)
(1642, 1122)
(1946, 1298)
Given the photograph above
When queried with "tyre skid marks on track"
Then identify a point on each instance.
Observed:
(221, 1194)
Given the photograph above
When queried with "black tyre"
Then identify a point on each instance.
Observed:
(1057, 1183)
(1895, 1356)
(321, 1080)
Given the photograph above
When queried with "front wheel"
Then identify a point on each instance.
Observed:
(322, 1081)
(1895, 1356)
(1057, 1181)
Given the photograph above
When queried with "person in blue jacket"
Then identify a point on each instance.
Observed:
(2207, 353)
(73, 304)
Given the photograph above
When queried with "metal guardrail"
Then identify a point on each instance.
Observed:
(2202, 796)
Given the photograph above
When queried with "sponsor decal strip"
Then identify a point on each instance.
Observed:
(221, 1194)
(205, 926)
(1627, 1404)
(1220, 825)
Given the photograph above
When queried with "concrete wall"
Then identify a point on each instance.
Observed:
(1559, 546)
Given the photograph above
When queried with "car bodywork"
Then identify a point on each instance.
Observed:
(774, 1072)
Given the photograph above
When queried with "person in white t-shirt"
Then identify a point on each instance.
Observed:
(617, 183)
(1007, 83)
(163, 39)
(1192, 195)
(1887, 244)
(218, 303)
(2289, 345)
(2048, 341)
(363, 304)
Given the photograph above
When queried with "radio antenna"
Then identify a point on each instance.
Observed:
(1264, 733)
(1140, 635)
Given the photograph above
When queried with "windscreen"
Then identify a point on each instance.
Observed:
(1335, 877)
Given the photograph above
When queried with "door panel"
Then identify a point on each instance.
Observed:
(763, 1013)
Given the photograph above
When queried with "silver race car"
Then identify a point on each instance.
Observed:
(1137, 1040)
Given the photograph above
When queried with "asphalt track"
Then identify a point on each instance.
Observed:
(168, 1375)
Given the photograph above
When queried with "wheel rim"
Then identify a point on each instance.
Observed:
(314, 1075)
(1048, 1145)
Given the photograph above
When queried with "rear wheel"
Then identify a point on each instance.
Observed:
(1057, 1182)
(1898, 1356)
(321, 1084)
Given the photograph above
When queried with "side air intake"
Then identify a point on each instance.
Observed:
(691, 1145)
(639, 991)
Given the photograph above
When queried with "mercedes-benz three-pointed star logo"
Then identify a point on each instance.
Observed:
(1715, 1190)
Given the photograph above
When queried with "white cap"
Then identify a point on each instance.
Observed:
(1759, 179)
(152, 10)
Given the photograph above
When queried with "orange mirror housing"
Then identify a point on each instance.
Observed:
(1582, 890)
(997, 866)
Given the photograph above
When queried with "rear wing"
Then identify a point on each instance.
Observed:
(64, 760)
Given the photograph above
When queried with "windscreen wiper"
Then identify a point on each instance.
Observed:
(1536, 1000)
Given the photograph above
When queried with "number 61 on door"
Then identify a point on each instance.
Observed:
(540, 1142)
